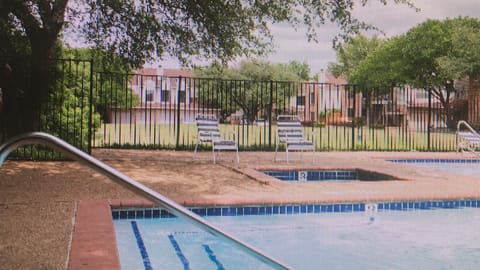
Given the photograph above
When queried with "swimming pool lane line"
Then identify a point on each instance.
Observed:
(178, 251)
(212, 257)
(141, 246)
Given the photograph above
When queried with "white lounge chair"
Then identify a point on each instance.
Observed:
(209, 132)
(291, 136)
(468, 139)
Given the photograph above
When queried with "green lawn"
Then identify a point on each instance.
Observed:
(334, 138)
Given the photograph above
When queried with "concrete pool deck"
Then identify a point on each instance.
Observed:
(44, 204)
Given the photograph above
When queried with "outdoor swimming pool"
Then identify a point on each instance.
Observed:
(467, 167)
(345, 236)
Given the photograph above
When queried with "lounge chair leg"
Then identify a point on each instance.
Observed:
(288, 159)
(275, 156)
(214, 156)
(195, 152)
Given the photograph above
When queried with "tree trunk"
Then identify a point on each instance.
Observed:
(26, 92)
(25, 83)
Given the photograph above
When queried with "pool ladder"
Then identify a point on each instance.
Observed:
(40, 138)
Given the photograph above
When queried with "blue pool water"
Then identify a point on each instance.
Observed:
(467, 167)
(444, 238)
(327, 175)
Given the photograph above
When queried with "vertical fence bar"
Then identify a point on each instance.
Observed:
(353, 116)
(177, 139)
(90, 114)
(269, 115)
(429, 118)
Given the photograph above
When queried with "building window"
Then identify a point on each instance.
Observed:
(149, 96)
(165, 96)
(350, 112)
(300, 100)
(166, 84)
(312, 98)
(421, 94)
(181, 96)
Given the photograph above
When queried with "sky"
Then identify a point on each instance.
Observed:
(391, 19)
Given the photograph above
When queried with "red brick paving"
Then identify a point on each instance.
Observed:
(94, 245)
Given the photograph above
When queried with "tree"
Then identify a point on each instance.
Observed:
(111, 79)
(139, 31)
(381, 68)
(301, 69)
(351, 53)
(250, 85)
(431, 55)
(67, 113)
(464, 59)
(29, 32)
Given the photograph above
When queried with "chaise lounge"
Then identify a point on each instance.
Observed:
(291, 136)
(209, 132)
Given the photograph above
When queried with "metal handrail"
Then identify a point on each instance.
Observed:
(467, 141)
(133, 185)
(466, 124)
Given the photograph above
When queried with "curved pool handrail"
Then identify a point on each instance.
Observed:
(467, 125)
(133, 185)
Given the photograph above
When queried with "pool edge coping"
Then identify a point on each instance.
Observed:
(94, 244)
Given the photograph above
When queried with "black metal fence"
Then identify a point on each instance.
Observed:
(69, 113)
(150, 111)
(100, 109)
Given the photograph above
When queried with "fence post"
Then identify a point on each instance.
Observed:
(177, 141)
(270, 105)
(429, 117)
(90, 117)
(353, 116)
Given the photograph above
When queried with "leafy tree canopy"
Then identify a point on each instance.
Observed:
(139, 31)
(430, 54)
(143, 30)
(258, 70)
(381, 67)
(250, 85)
(464, 58)
(67, 112)
(350, 54)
